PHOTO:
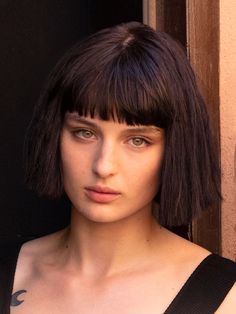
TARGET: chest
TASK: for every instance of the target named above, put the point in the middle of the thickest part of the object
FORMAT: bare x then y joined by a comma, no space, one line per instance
139,295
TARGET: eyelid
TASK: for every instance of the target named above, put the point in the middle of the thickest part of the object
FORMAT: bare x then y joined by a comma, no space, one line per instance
81,125
141,137
145,138
77,128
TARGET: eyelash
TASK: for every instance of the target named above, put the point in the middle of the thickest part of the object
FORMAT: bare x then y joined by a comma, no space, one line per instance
145,142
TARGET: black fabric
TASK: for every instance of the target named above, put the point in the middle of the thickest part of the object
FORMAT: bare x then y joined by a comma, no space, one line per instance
206,288
8,260
202,293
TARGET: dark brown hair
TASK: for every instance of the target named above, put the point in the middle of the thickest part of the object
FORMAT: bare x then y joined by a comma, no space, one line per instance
139,76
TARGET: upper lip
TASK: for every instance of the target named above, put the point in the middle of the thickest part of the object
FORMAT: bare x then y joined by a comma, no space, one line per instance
101,189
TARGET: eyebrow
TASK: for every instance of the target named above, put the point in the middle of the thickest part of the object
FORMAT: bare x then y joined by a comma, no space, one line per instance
75,118
131,130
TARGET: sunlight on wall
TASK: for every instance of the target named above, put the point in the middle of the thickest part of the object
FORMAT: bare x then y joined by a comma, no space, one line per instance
228,124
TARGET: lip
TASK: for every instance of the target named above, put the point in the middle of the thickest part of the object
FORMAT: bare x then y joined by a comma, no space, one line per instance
101,189
101,194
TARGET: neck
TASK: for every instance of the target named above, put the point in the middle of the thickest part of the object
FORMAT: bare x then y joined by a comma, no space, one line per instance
99,249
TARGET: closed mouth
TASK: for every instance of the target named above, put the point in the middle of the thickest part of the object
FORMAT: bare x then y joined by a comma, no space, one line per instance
103,190
100,194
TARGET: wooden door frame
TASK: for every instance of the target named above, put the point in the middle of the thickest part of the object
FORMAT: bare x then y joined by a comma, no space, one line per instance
202,44
203,51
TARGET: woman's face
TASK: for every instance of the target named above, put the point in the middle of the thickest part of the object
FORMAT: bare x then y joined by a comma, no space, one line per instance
110,170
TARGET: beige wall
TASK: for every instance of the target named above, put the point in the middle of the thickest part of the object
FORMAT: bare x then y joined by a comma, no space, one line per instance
149,12
228,124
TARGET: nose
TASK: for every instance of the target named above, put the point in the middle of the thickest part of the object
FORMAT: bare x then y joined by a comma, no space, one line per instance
105,160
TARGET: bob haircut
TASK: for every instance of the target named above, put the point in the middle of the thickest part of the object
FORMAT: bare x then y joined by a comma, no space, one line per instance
135,75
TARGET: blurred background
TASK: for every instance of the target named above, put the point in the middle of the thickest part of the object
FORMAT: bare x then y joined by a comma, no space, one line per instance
34,35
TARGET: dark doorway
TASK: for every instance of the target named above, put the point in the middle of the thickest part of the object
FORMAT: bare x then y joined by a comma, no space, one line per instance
34,35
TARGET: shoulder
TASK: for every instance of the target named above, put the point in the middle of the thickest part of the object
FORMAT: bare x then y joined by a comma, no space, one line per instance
182,252
212,278
42,246
32,254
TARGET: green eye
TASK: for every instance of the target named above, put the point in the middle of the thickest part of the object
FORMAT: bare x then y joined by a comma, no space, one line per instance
139,142
87,133
84,133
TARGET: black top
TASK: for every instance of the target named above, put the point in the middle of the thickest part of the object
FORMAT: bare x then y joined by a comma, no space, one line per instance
202,293
8,260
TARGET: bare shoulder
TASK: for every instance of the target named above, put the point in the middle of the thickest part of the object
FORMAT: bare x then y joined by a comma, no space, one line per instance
176,256
31,253
192,255
43,242
229,304
184,251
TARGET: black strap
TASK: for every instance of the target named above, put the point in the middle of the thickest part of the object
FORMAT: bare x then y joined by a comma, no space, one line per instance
206,288
8,260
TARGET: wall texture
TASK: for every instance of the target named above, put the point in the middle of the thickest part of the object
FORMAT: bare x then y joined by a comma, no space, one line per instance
228,124
149,12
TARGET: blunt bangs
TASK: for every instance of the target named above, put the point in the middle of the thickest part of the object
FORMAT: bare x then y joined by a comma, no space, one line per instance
129,88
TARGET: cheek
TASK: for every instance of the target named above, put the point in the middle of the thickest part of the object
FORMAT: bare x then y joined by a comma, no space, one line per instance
151,178
73,175
146,178
73,163
73,166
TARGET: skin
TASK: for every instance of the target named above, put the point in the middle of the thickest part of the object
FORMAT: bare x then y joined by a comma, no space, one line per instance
114,257
126,159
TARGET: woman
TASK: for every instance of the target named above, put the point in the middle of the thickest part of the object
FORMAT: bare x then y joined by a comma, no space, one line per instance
122,130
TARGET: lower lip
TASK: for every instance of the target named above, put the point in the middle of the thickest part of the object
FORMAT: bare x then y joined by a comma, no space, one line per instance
101,197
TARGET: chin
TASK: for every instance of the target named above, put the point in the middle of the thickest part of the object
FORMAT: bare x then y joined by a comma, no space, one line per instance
99,214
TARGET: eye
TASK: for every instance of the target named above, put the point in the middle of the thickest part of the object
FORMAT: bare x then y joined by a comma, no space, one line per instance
139,142
84,133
